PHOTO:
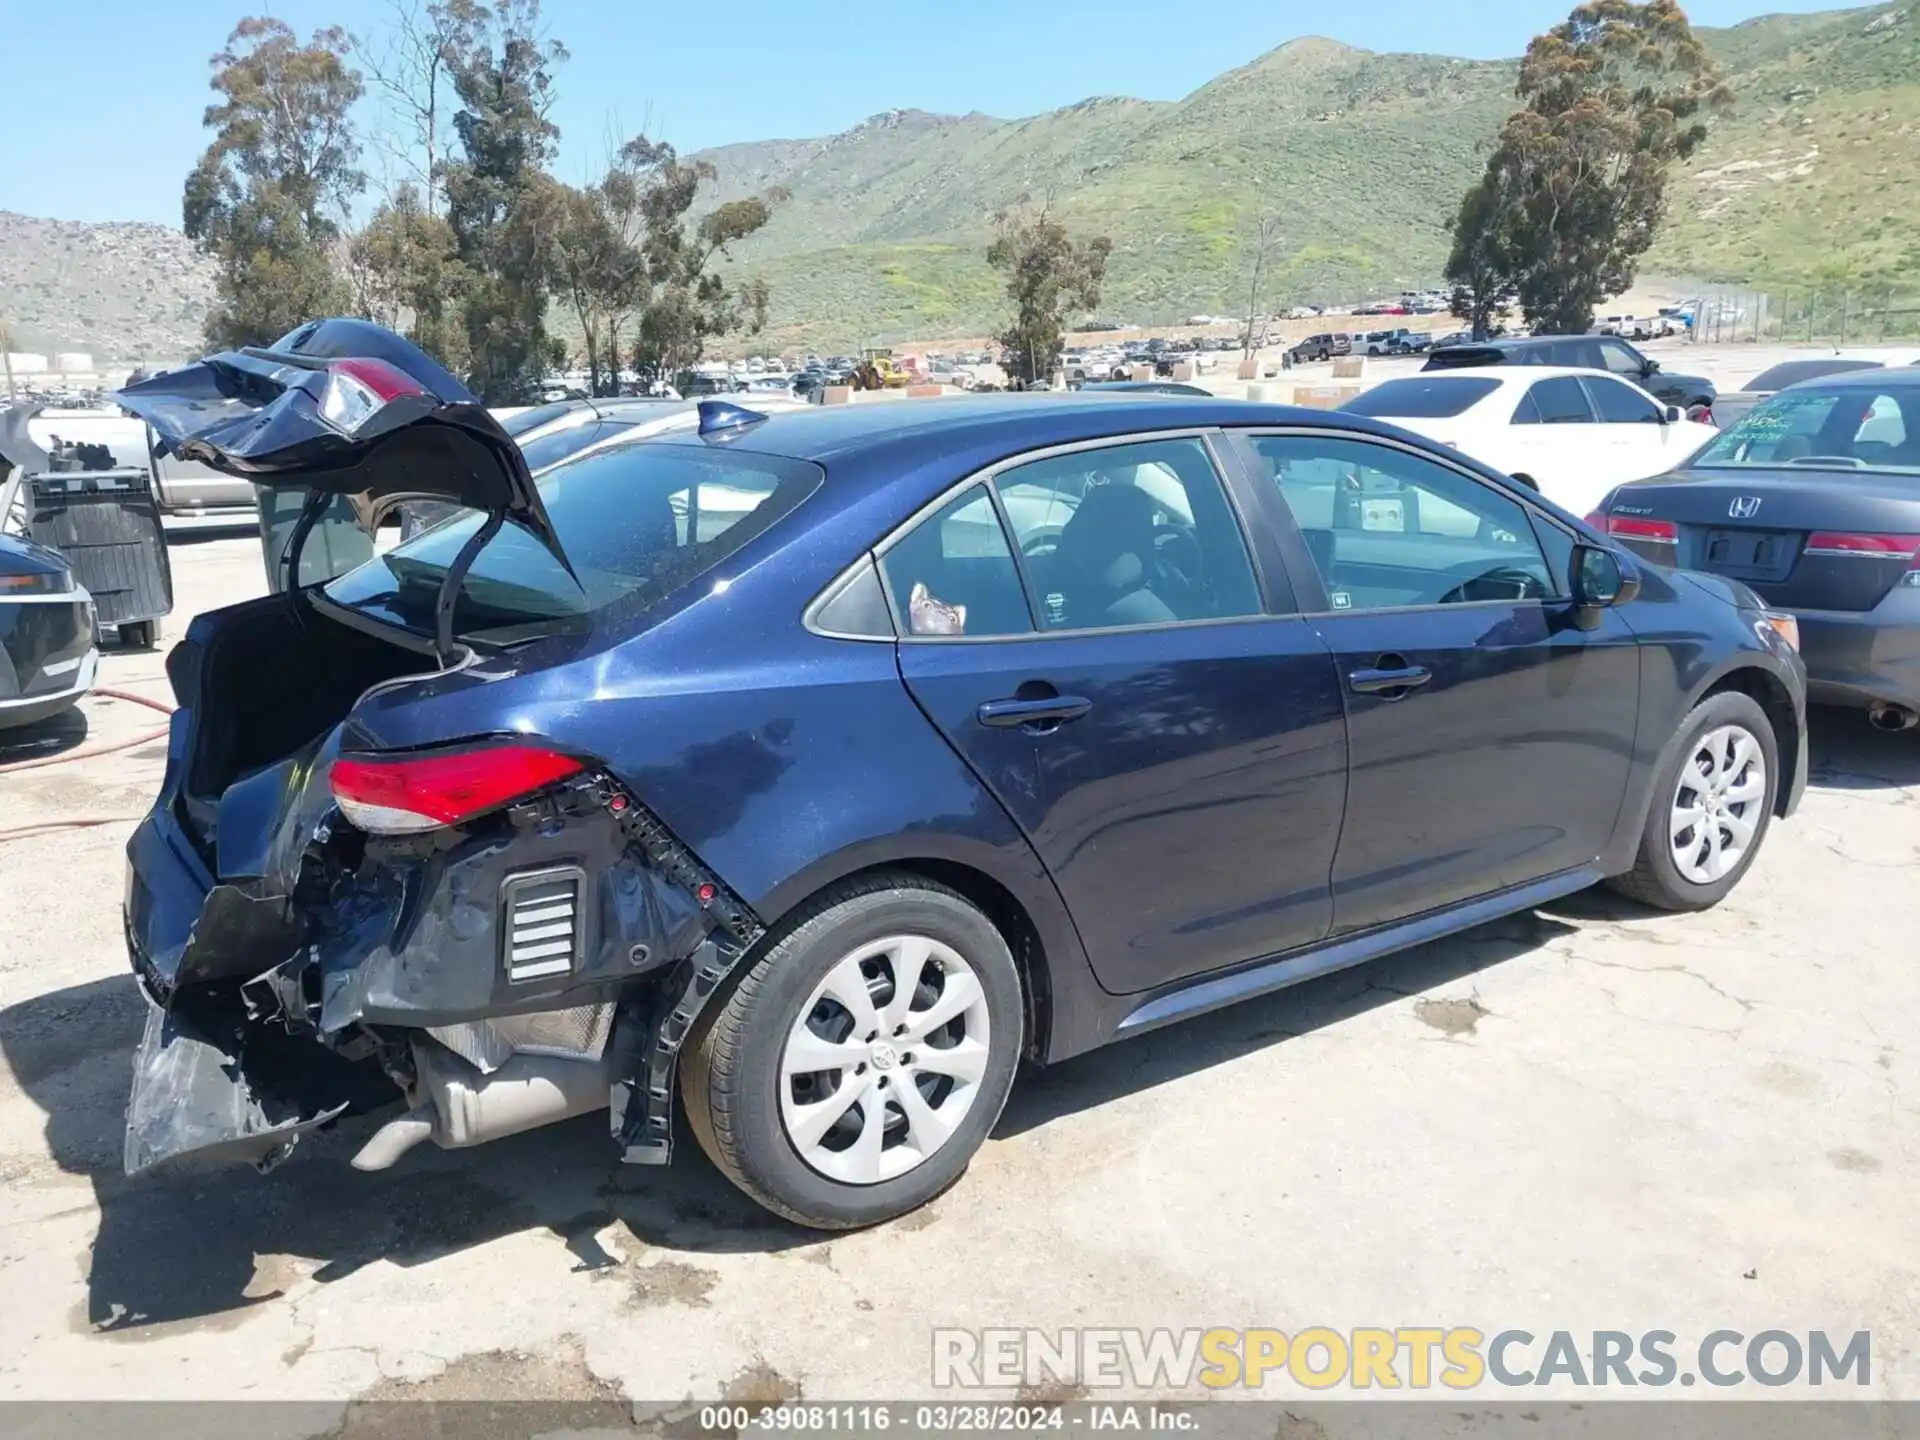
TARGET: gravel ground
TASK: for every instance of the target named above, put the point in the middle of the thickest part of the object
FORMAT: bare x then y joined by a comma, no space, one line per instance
1586,1117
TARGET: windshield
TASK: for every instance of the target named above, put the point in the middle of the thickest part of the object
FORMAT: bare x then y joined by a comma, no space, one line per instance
1421,398
1825,427
637,522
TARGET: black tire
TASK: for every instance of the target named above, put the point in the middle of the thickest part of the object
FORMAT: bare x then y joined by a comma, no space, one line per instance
1528,481
1655,879
139,635
729,1072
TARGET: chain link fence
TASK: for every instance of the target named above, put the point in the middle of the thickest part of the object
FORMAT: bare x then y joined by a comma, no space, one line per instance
1864,316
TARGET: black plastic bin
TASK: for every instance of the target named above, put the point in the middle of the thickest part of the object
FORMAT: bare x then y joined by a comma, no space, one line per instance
107,524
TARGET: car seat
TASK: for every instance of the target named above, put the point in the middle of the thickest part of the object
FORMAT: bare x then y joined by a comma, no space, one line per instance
1105,567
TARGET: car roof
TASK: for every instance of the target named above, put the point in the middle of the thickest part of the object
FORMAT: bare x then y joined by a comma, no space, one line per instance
965,426
1863,379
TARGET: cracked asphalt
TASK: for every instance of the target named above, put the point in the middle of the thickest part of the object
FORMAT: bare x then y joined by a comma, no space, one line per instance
1586,1117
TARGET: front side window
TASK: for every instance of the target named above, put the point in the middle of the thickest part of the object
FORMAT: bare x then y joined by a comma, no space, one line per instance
953,574
1619,404
1137,534
1620,359
1388,528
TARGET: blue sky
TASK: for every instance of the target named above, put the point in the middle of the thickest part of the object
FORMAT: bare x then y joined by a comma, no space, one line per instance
103,98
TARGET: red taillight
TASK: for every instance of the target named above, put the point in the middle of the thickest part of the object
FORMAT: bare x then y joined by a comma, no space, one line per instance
1873,547
387,382
358,389
402,794
1633,527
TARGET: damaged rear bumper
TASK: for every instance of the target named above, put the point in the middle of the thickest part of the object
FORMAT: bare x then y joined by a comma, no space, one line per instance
350,972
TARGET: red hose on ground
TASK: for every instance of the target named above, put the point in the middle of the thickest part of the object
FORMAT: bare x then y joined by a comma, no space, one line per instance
87,752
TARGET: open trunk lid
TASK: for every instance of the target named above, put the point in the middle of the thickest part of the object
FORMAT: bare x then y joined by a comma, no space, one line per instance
1801,539
344,407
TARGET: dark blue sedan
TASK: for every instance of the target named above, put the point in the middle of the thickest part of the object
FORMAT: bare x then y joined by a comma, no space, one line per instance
811,771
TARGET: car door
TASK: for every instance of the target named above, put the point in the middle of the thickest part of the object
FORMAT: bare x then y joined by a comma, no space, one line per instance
1558,442
1641,443
1086,629
1489,736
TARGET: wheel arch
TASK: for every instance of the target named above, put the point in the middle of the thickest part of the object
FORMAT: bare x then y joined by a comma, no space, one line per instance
1062,997
1774,699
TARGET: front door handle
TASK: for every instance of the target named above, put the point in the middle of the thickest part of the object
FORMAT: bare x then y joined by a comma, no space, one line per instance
1053,710
1391,682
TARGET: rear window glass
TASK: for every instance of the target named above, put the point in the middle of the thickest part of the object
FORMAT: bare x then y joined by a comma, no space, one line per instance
557,445
637,522
1821,427
1420,399
528,421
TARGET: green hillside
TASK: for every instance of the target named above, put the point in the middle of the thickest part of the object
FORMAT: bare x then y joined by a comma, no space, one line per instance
1364,156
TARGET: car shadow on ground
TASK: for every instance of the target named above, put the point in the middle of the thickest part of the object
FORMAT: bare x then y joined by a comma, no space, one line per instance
1847,753
185,1244
44,739
1132,1066
189,1245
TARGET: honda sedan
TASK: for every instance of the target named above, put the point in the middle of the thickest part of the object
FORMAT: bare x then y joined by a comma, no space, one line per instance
811,771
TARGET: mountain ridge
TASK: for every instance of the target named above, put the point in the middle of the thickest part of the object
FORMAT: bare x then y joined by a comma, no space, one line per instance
1362,154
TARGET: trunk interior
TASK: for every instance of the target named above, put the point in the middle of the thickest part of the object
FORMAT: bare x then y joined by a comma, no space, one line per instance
275,676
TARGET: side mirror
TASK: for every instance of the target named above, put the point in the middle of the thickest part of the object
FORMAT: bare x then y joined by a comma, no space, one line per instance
1598,581
1653,367
1672,415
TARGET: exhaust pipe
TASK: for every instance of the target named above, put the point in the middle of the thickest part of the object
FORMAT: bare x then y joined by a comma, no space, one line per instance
458,1106
1884,715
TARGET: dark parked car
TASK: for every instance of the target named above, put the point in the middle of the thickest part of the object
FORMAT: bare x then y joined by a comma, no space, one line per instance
811,771
1813,501
47,653
1731,406
1692,393
1321,347
1140,387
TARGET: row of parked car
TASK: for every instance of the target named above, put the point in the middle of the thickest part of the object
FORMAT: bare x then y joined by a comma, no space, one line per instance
1804,485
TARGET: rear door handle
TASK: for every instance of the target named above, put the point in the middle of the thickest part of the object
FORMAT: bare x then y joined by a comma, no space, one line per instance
1054,710
1379,682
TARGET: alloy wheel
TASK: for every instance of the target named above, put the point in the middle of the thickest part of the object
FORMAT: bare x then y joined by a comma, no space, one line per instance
1717,803
885,1059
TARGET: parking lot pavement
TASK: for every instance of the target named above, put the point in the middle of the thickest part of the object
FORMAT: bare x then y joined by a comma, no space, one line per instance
1588,1117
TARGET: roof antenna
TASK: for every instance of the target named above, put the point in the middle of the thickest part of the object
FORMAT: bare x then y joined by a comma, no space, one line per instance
719,416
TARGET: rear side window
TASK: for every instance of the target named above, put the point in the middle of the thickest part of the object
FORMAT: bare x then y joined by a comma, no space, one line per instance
1129,534
1420,398
953,574
1559,401
637,523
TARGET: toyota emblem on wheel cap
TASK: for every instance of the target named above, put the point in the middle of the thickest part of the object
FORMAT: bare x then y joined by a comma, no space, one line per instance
1744,507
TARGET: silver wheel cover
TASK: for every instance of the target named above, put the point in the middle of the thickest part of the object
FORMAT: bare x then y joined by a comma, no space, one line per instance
884,1060
1717,804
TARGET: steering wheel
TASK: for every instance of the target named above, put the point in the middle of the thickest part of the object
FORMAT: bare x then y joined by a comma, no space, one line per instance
1177,549
1502,582
1042,542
